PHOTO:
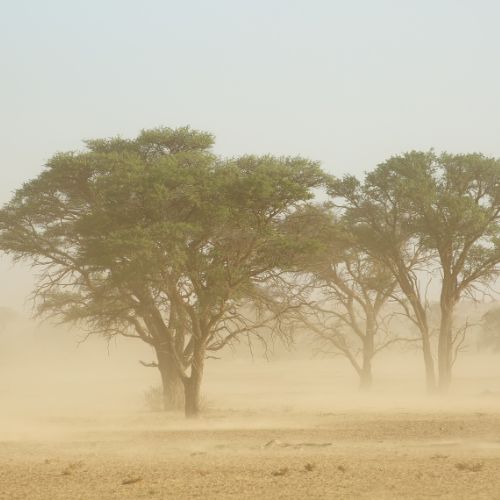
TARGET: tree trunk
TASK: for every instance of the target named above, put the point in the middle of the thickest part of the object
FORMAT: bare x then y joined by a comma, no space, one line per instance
192,385
173,390
430,373
420,312
366,377
192,395
445,347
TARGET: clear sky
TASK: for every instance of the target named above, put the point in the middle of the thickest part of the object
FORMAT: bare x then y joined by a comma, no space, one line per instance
348,83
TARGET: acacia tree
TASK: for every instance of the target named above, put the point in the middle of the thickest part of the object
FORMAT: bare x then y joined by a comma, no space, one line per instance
379,219
445,209
60,222
233,249
455,202
352,319
489,337
157,238
347,309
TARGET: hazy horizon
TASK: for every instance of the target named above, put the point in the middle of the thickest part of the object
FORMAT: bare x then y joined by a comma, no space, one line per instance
303,346
347,84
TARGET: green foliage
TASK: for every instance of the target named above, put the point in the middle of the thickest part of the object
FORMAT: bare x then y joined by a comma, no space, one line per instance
156,237
489,337
451,204
426,212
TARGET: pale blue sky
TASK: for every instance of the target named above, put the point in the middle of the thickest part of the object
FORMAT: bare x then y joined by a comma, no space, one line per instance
344,82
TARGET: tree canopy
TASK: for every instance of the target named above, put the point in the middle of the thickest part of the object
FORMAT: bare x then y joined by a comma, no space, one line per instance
159,239
422,211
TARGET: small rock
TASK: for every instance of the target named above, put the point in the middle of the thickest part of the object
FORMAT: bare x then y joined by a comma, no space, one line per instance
280,472
131,480
470,467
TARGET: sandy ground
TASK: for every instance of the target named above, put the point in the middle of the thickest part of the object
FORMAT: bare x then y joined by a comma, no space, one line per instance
239,455
73,425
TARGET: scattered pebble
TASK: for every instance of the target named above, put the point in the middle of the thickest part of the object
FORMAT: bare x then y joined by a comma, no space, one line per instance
280,472
131,480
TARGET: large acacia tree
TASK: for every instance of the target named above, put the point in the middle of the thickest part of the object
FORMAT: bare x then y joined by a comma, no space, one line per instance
76,223
159,239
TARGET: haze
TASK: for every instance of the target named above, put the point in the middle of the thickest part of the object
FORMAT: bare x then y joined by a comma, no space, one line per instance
347,84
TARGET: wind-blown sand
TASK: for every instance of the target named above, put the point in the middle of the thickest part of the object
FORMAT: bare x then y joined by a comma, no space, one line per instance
249,455
291,428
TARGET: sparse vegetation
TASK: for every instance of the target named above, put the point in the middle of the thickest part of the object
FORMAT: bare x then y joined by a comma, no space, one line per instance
131,480
283,471
469,466
490,330
153,398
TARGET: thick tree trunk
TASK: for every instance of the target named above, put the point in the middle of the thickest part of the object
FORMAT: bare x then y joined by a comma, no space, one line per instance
192,396
445,344
192,385
173,389
445,348
366,378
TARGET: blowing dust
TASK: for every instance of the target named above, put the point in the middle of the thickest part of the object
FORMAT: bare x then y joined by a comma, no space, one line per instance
75,421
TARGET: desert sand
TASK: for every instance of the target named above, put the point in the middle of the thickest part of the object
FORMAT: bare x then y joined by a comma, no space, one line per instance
76,426
337,455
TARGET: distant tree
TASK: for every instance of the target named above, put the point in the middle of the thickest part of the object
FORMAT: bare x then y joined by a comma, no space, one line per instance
448,208
347,308
7,315
158,239
489,337
383,228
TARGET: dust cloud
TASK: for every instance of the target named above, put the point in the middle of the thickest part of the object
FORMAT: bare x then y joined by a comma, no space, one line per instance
49,370
75,414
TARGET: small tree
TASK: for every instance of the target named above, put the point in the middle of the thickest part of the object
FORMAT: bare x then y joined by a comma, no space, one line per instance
377,215
349,291
353,319
489,337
